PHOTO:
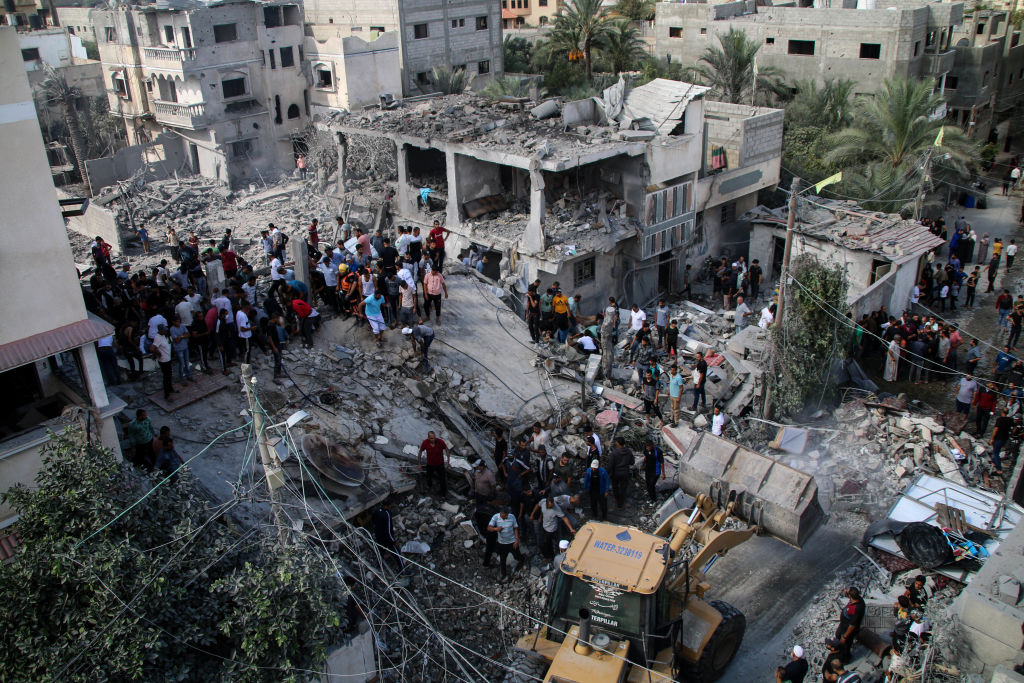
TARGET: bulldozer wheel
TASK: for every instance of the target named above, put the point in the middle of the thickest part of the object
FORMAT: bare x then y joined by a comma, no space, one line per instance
721,648
524,667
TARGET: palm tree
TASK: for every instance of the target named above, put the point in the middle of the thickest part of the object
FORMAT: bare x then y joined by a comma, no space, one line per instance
448,81
829,107
732,73
880,187
583,22
898,126
636,10
623,46
58,92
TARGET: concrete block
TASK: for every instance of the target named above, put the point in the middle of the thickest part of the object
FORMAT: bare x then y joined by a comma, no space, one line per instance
1004,674
1008,590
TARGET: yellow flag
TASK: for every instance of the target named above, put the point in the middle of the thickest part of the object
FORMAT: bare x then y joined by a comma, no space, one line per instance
938,138
828,181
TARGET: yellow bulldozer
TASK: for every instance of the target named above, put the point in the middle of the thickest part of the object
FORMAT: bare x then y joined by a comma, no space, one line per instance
627,605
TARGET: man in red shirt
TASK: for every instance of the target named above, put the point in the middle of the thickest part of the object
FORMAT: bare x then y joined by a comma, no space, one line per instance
229,260
437,453
439,234
314,234
985,400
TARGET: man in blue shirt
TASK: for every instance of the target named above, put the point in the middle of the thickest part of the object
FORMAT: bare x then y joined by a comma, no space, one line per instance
598,484
675,392
505,525
1004,361
370,308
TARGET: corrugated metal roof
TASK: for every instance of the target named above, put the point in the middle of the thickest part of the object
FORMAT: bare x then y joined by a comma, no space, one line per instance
663,101
45,344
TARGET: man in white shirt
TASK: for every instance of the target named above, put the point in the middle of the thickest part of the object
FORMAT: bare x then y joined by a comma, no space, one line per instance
161,348
244,328
154,325
194,301
742,311
717,422
184,309
767,317
636,319
276,278
221,301
1011,251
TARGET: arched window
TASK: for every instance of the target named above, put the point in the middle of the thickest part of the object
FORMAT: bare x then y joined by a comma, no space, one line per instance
293,111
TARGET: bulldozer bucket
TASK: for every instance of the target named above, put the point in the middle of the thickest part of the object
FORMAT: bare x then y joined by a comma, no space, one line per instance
780,500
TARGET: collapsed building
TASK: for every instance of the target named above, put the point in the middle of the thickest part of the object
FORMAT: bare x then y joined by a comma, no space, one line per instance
882,253
608,196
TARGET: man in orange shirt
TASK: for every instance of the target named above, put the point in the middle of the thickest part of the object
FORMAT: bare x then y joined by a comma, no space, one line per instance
560,308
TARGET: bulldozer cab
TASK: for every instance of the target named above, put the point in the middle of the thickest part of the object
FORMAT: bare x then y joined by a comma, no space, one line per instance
614,572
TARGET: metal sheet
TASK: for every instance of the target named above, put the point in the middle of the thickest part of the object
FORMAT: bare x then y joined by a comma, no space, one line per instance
46,344
916,504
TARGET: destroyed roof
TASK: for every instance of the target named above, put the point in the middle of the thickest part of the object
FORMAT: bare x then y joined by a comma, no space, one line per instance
848,225
506,127
662,101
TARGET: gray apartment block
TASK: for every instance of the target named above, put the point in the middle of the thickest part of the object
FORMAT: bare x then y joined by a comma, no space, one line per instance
433,33
815,43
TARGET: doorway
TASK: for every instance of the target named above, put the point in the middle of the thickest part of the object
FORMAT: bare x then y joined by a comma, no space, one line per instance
778,255
193,151
666,273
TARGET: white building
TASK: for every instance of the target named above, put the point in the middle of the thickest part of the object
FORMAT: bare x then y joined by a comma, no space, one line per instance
47,359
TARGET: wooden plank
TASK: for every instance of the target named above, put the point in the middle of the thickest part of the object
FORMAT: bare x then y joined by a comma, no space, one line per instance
190,392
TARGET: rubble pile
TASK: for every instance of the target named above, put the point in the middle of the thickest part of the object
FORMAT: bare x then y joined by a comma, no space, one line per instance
487,123
898,444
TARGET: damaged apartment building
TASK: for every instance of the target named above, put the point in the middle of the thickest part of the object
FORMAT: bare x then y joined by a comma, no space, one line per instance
225,80
609,196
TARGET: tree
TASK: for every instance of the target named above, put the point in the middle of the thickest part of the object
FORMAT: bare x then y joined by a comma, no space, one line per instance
59,93
730,71
898,126
829,107
448,81
623,47
636,10
517,52
507,86
813,336
880,187
582,23
164,591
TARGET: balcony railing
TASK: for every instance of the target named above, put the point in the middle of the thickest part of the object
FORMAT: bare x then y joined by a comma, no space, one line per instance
169,54
177,114
941,62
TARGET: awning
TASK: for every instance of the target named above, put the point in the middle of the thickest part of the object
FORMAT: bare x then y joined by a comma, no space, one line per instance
506,14
46,344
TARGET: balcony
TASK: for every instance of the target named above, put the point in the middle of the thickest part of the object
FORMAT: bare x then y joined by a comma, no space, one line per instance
169,58
191,116
940,62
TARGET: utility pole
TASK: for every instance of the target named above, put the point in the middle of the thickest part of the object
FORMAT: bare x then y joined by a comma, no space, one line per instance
790,224
270,467
919,199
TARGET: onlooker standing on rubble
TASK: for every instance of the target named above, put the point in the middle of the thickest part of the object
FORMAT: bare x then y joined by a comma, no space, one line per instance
654,467
504,524
661,321
560,311
620,462
179,335
484,486
439,235
717,421
850,619
437,455
300,163
671,338
1000,435
675,392
985,400
161,350
552,517
742,311
651,392
598,485
433,286
700,376
370,308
